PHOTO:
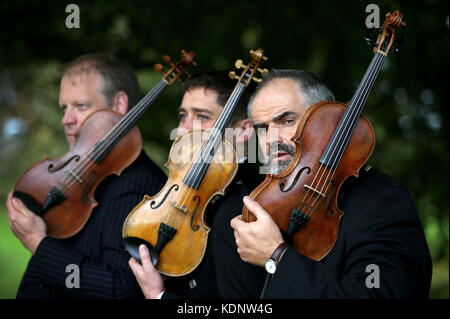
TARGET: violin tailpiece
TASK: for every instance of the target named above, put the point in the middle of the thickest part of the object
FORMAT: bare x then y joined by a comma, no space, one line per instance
298,220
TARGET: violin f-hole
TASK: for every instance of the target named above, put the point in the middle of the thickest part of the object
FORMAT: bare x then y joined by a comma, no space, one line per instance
282,185
53,168
153,203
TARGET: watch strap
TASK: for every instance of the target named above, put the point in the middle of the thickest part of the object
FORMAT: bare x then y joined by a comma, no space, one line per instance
278,252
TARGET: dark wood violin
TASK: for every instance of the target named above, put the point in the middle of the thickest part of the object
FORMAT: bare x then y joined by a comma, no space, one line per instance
171,223
333,141
61,191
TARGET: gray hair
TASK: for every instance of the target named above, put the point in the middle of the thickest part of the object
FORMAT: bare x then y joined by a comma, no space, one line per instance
313,88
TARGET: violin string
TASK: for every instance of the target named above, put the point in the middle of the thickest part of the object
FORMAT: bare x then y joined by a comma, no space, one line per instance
212,139
353,117
356,115
366,85
86,163
113,133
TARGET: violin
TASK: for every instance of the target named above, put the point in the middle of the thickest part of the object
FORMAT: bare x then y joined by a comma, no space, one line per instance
333,141
61,190
171,223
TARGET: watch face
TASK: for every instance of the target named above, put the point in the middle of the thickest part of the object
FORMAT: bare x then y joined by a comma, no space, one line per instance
270,266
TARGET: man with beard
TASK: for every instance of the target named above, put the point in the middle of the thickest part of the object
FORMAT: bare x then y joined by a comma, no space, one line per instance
380,252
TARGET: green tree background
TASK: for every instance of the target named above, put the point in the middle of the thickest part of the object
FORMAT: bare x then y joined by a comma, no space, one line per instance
408,106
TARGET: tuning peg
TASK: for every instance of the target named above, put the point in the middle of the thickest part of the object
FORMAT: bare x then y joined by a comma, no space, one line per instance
257,80
371,42
239,64
166,58
262,71
233,75
159,67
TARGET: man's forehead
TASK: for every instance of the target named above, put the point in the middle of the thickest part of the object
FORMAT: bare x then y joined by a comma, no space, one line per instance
278,97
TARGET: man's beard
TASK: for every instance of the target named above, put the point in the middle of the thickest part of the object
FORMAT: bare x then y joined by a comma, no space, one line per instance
277,167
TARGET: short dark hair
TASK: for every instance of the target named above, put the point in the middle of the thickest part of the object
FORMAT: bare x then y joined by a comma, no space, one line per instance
116,76
220,82
312,87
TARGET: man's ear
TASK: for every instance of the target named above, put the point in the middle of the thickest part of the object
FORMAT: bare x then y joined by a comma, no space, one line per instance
246,130
120,103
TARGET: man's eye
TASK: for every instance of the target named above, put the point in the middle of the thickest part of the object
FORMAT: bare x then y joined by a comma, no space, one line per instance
203,117
288,121
82,106
182,116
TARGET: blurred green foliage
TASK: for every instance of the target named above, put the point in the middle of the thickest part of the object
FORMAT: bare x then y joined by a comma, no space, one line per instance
408,106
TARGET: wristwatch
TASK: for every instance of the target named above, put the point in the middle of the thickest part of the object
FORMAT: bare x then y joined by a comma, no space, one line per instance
272,263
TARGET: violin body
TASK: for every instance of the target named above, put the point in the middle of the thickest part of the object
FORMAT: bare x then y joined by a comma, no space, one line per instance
62,190
180,209
299,188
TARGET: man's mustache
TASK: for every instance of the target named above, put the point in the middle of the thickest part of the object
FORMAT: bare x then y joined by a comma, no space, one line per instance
280,147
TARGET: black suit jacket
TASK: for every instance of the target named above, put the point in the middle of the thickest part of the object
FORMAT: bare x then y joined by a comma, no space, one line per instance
380,235
380,227
222,273
97,249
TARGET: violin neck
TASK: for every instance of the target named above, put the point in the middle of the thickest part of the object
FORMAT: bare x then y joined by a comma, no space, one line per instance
341,136
103,147
204,157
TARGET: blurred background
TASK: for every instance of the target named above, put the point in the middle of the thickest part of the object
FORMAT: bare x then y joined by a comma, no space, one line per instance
408,106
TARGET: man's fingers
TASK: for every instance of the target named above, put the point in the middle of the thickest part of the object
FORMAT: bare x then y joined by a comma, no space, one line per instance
17,204
236,222
145,258
136,268
255,208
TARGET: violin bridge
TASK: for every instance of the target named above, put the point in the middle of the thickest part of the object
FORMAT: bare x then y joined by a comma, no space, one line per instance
183,209
315,190
78,178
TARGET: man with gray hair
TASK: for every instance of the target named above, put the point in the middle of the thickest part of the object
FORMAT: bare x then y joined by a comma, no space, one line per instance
380,251
275,126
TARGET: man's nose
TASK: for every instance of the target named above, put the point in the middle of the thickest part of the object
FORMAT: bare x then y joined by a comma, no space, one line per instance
69,117
273,136
187,124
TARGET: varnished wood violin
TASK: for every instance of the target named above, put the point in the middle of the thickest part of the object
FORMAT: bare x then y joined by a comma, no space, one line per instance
171,223
333,141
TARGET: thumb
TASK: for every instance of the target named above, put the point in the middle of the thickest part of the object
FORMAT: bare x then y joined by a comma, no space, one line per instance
255,208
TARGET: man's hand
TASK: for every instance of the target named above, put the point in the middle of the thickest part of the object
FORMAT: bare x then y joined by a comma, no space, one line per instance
27,226
257,240
149,279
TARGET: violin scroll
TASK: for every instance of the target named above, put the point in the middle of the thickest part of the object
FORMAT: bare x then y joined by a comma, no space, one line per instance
387,35
250,69
176,69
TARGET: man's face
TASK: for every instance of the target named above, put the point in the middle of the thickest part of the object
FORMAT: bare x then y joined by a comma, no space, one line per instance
276,112
200,105
79,96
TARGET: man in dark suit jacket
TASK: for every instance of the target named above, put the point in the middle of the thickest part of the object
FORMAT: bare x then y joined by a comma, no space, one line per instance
92,263
380,252
203,100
